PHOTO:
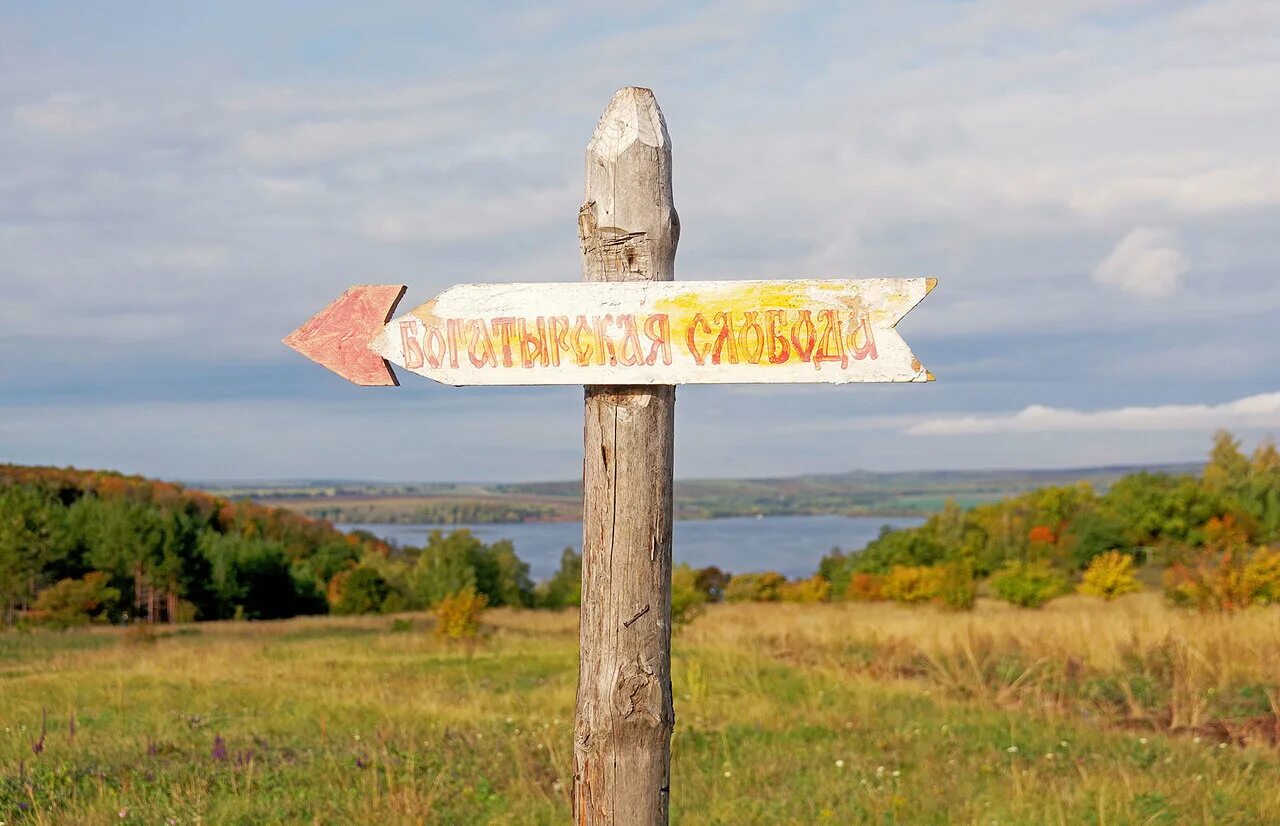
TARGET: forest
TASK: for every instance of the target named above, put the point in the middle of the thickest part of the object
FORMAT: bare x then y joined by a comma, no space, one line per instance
92,546
1209,540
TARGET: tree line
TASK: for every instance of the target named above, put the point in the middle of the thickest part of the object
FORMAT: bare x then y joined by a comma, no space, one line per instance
78,546
1210,537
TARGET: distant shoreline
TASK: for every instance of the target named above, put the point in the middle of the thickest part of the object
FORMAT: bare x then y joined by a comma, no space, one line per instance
677,519
855,494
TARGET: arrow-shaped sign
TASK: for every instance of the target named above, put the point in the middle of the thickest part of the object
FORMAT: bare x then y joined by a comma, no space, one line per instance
669,332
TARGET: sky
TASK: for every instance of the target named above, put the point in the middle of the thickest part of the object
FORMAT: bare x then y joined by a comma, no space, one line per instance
1095,185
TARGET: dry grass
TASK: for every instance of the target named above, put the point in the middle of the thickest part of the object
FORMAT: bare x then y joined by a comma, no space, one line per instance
785,714
1134,660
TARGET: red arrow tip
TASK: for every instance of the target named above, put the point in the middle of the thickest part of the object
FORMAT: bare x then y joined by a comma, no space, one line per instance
338,336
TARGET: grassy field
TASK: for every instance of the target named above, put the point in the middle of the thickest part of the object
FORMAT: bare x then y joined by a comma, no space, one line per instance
1080,713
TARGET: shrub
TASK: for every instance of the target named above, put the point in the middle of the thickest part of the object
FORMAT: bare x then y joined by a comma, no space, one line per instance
1029,584
765,587
564,589
1225,580
1262,576
451,562
458,615
912,583
74,602
396,602
712,582
957,589
1109,575
813,589
687,596
865,587
184,612
360,591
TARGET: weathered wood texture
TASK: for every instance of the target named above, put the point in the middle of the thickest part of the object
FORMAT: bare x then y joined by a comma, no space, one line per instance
624,717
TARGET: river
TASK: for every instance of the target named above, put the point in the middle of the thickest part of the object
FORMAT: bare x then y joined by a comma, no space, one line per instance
791,545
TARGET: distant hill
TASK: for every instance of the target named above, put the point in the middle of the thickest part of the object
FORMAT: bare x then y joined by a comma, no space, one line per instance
853,493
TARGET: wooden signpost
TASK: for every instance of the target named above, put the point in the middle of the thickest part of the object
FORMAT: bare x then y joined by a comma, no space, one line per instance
629,336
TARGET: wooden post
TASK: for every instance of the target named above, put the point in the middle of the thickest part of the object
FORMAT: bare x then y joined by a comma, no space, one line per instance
624,717
825,330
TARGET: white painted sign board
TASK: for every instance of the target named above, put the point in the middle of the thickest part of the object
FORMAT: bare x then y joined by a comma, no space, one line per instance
671,332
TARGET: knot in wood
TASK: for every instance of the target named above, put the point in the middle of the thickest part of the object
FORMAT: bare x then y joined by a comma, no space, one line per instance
637,694
614,254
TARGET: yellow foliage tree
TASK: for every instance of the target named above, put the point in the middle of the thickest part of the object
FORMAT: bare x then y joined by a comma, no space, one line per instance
813,589
912,583
458,615
1110,575
1261,576
865,587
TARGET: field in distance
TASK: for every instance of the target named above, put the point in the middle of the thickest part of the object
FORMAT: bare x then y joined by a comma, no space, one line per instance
855,493
1083,712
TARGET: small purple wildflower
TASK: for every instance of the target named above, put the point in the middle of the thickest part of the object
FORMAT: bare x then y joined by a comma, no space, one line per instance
219,748
361,763
243,758
23,805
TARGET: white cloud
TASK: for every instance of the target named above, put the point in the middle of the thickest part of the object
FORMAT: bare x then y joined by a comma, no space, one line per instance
66,114
1216,190
470,217
196,257
313,141
1146,262
1260,411
988,145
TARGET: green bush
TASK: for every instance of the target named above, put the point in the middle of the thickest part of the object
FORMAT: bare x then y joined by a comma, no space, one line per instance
687,598
1029,584
765,587
564,589
450,562
361,591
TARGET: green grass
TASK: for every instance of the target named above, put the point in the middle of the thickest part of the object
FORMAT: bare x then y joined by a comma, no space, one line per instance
346,721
